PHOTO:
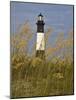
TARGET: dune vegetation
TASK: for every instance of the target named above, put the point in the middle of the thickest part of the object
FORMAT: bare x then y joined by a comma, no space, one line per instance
32,76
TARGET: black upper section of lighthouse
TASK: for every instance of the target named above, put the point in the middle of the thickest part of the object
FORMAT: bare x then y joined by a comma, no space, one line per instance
40,23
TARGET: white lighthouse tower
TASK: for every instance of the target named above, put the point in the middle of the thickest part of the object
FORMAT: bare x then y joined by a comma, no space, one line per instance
40,41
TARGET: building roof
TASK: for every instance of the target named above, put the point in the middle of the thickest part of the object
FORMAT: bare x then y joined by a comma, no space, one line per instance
40,15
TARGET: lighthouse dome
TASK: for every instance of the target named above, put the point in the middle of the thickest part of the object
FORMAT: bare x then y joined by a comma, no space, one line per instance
40,17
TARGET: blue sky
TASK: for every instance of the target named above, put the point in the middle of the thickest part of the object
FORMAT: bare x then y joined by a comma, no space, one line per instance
58,17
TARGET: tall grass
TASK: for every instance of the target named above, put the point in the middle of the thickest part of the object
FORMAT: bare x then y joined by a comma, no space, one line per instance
32,76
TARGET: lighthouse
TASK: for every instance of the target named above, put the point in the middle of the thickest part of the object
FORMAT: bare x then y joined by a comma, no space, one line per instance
40,39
